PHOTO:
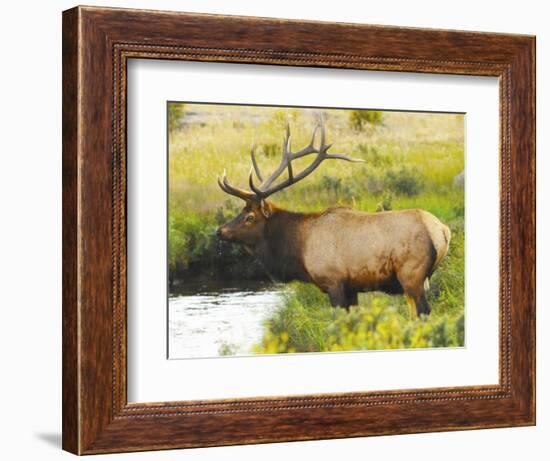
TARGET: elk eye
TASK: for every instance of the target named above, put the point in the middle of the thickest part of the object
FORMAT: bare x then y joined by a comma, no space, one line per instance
250,218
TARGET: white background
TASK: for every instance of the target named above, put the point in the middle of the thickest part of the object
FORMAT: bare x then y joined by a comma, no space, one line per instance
153,378
30,243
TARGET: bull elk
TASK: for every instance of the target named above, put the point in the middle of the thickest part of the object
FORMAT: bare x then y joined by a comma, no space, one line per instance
341,251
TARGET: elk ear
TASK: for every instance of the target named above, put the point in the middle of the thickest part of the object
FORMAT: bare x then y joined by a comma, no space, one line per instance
265,208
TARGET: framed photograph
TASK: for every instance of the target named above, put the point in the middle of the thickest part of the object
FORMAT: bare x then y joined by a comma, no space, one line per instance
285,230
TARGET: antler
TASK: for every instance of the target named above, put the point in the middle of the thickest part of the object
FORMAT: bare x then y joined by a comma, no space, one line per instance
236,191
266,187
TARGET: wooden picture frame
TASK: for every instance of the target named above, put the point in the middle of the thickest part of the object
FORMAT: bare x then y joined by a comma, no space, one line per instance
97,43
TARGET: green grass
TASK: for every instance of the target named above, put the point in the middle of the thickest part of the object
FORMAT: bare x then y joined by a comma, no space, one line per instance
410,162
200,151
307,323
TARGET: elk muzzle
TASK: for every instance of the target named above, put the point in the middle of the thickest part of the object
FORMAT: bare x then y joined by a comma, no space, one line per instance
223,233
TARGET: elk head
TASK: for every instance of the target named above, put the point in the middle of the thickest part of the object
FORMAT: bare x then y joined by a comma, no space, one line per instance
247,227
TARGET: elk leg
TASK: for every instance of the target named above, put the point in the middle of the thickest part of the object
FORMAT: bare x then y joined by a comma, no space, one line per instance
413,287
352,297
422,306
337,296
412,306
418,305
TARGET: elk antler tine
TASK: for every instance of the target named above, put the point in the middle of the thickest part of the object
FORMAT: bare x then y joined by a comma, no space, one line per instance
222,187
255,164
253,187
286,140
232,190
288,148
314,134
220,183
322,126
226,182
345,157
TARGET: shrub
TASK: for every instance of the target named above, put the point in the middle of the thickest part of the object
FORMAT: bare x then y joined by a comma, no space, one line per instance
194,249
227,349
281,117
331,183
385,204
375,327
447,282
404,181
374,157
375,183
189,237
177,242
359,118
271,150
306,323
176,111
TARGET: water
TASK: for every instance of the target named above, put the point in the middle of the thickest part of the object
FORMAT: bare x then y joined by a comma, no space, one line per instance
212,320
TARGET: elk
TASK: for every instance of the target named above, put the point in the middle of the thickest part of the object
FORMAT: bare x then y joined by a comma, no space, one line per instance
340,250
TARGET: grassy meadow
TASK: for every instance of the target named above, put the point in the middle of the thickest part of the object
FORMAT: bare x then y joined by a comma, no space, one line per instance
411,161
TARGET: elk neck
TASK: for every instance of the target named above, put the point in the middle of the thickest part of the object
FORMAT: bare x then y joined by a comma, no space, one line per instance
280,249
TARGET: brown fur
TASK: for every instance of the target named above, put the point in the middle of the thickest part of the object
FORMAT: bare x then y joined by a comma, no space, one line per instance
343,251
